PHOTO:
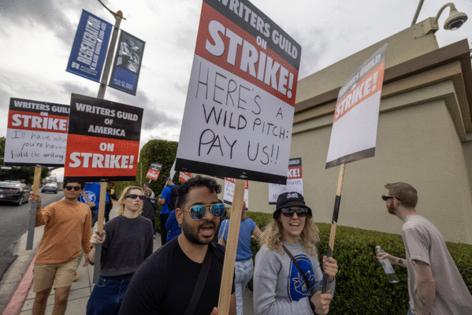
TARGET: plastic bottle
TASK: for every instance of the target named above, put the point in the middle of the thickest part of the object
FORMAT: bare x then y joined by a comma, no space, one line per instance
387,266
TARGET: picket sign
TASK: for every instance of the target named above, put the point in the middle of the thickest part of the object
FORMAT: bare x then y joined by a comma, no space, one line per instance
101,218
33,210
334,220
231,247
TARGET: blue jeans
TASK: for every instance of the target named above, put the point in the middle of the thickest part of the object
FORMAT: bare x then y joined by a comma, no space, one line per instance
107,295
243,272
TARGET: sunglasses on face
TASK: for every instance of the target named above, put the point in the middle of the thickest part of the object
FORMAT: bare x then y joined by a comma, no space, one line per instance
134,196
197,212
385,198
76,188
300,211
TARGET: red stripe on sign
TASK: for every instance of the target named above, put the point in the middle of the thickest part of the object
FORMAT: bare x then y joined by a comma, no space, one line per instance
367,86
37,121
89,156
295,172
228,46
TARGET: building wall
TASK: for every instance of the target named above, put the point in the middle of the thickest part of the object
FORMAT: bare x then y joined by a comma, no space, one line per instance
410,148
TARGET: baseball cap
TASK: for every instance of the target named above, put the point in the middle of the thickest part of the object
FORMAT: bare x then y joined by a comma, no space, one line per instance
289,199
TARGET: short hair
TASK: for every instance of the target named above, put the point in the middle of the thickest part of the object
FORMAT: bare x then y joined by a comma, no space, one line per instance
197,181
405,193
72,180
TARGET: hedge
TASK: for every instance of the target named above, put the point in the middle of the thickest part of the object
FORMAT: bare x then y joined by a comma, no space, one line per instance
361,285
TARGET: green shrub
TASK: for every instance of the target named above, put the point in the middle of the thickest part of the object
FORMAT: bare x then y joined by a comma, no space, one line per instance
361,285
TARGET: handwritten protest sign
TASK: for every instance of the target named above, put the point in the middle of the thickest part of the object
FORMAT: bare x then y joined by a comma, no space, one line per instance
228,193
240,101
154,171
356,115
294,181
103,140
37,133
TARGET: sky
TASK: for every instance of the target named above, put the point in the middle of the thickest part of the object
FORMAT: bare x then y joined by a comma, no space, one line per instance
36,38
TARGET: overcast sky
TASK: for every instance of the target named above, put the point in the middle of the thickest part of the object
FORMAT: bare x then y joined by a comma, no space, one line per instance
36,38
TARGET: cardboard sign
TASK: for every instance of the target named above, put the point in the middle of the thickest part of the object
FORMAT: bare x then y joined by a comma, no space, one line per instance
184,176
154,171
229,191
37,133
356,115
294,181
103,141
240,101
90,47
127,64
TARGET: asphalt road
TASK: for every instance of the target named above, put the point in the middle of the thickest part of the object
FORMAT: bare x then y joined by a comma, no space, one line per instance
13,223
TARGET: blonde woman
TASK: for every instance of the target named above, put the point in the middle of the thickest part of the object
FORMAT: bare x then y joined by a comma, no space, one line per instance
127,242
287,275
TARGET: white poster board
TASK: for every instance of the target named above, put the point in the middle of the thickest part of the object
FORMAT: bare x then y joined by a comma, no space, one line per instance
294,181
229,191
37,133
240,101
356,115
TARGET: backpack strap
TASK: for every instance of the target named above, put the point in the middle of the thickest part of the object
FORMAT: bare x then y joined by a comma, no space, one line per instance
198,289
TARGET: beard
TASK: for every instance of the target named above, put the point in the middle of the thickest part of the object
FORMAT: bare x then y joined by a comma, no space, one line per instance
191,232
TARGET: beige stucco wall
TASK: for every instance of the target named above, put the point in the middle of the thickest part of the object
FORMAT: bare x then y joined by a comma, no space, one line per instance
411,148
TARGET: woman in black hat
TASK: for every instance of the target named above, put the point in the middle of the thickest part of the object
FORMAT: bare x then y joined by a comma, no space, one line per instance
287,276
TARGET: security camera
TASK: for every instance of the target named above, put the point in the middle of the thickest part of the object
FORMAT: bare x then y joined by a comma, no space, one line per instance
455,20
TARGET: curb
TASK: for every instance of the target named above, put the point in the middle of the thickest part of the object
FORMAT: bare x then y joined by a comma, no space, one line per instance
19,296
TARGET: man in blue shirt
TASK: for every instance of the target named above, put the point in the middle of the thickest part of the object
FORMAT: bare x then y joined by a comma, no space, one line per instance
166,207
244,266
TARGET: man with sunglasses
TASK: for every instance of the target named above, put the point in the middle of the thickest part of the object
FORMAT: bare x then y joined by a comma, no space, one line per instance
434,282
183,276
67,231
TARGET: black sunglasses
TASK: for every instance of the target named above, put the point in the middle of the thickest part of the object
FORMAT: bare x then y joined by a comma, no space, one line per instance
385,198
197,212
300,211
76,188
134,196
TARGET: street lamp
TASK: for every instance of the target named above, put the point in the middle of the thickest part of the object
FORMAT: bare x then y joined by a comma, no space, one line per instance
453,22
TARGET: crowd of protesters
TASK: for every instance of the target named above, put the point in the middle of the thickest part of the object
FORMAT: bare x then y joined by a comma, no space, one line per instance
183,276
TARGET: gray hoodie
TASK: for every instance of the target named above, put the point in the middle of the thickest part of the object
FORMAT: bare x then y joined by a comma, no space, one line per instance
279,288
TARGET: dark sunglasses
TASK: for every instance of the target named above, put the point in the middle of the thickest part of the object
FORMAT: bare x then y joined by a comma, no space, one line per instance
76,188
134,196
385,198
300,211
197,212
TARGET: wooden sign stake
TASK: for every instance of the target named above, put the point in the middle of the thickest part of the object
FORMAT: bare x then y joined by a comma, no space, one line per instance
334,221
231,247
101,218
34,206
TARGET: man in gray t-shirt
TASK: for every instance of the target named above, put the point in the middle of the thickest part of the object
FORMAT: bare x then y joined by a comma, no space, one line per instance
435,285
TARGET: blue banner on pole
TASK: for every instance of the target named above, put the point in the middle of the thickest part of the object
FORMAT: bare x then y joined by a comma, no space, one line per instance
127,64
90,47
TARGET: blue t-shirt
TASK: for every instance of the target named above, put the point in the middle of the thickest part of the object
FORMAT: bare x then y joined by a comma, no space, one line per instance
172,226
166,194
246,229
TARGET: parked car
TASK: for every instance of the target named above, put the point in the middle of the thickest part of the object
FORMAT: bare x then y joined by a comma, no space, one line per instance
49,188
14,191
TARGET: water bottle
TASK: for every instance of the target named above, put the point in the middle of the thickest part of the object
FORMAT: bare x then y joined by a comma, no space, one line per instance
387,266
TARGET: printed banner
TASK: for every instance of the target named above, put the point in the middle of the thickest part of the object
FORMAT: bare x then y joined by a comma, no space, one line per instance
154,171
127,64
240,102
103,140
36,134
90,47
229,191
294,181
184,176
356,116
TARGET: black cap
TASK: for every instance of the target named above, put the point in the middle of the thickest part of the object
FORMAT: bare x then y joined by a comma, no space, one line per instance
289,199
